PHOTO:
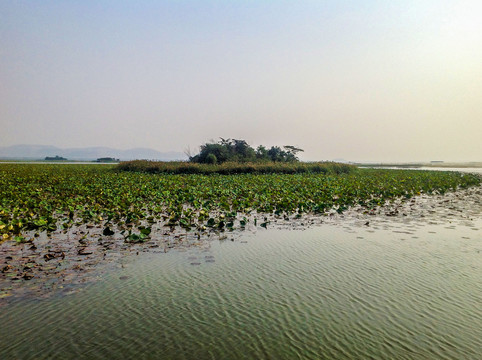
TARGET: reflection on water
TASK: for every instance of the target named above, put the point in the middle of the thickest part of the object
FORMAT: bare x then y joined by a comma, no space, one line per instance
403,288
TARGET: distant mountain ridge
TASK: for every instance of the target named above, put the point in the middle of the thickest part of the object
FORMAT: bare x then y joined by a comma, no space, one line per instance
39,152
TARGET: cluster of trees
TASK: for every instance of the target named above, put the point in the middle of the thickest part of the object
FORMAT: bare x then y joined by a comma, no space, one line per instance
233,150
54,158
107,159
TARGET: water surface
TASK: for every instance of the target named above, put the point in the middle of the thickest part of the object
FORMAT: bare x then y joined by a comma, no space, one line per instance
403,288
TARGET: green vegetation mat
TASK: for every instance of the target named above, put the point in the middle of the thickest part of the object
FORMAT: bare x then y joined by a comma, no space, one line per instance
231,168
41,197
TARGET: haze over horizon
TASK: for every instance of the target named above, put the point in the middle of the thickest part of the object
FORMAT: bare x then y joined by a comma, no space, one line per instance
364,81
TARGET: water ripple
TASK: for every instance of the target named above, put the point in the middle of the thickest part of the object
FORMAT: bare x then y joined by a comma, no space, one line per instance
321,293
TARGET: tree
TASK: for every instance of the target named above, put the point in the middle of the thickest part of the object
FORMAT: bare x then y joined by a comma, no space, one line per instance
211,159
262,153
291,152
220,151
242,151
275,153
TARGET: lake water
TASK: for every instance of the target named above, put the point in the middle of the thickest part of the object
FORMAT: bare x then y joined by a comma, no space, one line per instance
353,286
468,169
473,170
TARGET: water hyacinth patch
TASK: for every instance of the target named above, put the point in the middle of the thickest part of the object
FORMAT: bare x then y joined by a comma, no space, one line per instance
38,198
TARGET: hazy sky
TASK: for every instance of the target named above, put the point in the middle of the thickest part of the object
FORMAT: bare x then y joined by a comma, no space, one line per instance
359,80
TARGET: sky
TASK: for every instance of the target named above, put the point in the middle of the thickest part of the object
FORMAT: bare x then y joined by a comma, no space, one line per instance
356,80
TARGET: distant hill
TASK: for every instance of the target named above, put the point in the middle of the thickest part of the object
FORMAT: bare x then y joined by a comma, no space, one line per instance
39,152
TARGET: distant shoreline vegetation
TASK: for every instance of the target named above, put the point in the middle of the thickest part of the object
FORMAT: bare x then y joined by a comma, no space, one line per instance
55,158
107,159
232,168
234,150
232,156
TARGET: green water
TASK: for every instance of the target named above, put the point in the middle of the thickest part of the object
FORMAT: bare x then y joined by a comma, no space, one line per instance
334,291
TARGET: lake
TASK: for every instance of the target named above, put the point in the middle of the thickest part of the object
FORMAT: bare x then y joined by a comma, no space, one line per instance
473,170
347,286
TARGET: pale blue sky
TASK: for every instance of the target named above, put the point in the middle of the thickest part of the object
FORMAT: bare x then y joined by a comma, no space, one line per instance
360,80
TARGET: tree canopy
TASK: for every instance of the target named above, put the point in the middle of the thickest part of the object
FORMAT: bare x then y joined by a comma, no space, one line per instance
234,150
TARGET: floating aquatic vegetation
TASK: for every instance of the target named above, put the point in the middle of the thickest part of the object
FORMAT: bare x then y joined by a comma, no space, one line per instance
38,198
